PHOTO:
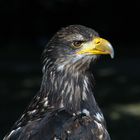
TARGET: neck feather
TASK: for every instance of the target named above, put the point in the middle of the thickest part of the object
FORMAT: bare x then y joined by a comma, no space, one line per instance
71,90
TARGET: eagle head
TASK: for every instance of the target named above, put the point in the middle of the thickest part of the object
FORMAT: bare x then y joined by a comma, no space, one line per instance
75,47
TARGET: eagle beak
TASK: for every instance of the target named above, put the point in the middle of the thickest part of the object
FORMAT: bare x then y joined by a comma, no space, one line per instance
97,46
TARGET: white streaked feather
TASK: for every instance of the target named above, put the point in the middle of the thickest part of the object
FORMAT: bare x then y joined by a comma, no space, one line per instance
99,116
85,111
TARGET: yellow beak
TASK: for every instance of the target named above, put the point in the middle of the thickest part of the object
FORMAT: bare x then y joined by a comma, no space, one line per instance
97,46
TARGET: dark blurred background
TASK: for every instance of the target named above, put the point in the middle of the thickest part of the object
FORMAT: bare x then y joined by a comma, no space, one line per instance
25,28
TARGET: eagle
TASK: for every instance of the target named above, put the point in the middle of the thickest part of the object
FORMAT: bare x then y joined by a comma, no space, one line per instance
65,107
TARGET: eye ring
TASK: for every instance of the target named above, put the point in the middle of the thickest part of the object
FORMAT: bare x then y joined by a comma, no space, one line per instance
77,44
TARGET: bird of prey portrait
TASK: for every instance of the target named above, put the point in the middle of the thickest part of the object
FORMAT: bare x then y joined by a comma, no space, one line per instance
65,107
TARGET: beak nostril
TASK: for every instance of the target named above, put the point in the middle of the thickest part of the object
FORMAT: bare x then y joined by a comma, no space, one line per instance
98,42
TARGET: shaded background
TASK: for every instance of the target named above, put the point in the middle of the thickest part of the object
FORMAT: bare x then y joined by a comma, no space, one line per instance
25,28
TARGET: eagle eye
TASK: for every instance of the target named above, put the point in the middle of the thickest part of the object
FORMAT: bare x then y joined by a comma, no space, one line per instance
77,44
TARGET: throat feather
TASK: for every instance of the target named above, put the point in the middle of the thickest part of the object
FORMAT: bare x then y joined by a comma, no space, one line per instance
71,91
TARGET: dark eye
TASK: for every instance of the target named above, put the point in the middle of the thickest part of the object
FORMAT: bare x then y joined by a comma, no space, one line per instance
77,44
